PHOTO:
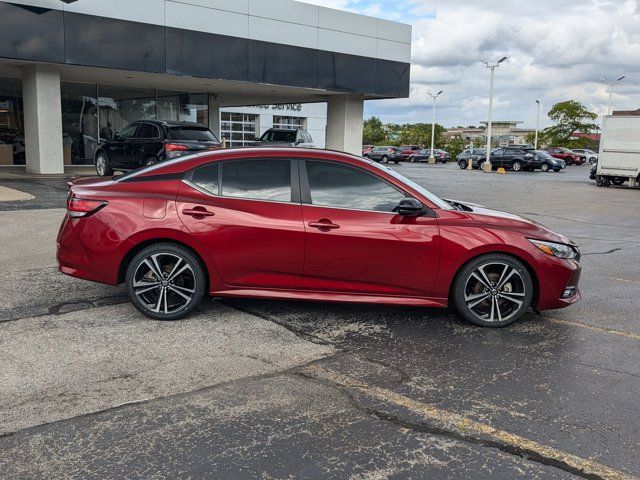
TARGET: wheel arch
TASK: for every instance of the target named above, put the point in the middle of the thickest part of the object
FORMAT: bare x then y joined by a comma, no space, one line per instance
516,256
133,251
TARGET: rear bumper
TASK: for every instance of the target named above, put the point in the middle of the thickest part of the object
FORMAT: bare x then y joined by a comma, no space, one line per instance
88,249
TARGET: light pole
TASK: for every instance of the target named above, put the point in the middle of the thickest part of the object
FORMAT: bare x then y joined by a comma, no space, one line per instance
487,163
432,159
537,124
611,84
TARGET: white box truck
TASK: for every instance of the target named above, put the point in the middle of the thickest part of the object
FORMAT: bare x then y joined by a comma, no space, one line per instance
619,160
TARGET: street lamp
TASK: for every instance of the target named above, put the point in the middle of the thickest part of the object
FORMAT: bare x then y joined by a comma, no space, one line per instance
537,124
432,159
487,163
611,84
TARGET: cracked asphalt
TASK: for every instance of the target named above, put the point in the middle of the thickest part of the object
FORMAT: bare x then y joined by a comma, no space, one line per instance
275,390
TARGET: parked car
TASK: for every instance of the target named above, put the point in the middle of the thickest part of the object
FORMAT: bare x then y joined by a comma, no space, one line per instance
475,155
366,149
385,155
330,226
147,142
539,159
513,158
590,155
569,157
423,156
408,150
278,137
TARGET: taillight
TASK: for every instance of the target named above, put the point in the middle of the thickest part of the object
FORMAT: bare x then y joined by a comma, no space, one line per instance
175,150
175,147
82,207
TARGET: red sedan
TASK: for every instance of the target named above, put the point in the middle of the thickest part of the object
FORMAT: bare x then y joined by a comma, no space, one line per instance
569,156
307,224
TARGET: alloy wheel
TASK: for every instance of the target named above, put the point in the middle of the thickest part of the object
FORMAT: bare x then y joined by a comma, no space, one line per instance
165,283
495,292
517,166
545,167
101,165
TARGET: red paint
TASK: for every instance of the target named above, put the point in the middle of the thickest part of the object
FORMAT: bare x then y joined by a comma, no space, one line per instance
289,250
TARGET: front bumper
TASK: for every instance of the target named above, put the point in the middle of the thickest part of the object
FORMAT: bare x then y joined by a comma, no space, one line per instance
555,276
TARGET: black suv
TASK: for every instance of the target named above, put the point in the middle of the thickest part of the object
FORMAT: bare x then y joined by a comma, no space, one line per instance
147,142
278,137
514,158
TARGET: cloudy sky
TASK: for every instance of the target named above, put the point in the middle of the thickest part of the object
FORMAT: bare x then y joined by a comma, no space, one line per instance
558,50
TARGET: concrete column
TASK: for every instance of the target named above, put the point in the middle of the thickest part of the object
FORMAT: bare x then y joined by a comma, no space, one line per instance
344,123
42,119
214,115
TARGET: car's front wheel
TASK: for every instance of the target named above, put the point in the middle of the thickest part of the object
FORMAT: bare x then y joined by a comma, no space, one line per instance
463,164
517,166
493,290
165,281
385,159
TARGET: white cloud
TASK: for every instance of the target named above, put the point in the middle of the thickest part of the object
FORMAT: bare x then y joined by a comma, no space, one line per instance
558,50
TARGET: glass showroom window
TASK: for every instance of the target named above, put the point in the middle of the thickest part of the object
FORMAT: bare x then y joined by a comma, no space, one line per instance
79,122
183,107
238,128
12,150
288,122
120,106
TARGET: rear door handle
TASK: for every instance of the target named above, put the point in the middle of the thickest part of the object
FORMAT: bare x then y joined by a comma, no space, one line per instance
197,212
324,225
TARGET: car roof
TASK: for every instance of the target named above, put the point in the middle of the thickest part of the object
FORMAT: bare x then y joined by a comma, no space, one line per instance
171,123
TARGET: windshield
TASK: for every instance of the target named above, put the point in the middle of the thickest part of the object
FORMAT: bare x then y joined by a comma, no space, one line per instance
198,134
278,136
421,190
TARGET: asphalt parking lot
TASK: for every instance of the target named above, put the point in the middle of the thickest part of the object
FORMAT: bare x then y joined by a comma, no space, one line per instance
271,389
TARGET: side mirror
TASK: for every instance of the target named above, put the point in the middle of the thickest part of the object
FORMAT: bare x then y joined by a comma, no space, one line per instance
409,207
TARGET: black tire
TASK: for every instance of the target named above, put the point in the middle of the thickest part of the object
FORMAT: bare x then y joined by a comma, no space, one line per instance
385,159
412,159
103,165
516,166
544,167
192,283
463,164
366,155
397,162
618,180
518,287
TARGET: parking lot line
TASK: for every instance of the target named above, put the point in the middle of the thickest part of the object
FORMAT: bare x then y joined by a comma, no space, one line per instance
466,429
593,328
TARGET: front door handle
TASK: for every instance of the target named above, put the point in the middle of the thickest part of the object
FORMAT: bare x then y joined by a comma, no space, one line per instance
324,224
198,212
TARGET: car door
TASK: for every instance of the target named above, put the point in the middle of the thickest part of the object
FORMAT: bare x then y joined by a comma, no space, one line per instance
355,241
497,157
246,214
145,146
119,147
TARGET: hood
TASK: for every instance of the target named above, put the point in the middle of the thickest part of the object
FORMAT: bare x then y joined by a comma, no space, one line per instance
497,218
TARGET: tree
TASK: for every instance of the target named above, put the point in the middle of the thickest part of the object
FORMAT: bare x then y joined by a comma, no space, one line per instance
570,116
374,132
456,146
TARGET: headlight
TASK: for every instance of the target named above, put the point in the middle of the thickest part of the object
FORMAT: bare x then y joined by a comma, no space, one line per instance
559,250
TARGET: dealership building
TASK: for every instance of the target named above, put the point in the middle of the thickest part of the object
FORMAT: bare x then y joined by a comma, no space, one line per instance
73,72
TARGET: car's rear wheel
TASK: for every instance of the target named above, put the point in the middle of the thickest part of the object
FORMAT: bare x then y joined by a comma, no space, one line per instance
517,166
463,164
385,159
165,281
412,159
103,165
544,167
493,290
